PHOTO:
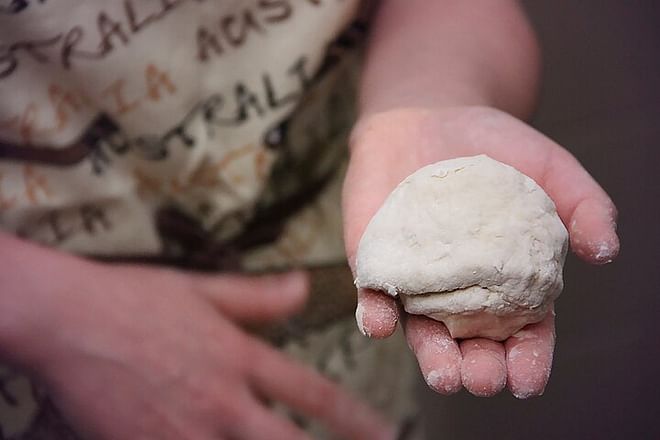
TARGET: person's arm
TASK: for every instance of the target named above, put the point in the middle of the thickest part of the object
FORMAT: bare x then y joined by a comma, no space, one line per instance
139,352
448,53
445,79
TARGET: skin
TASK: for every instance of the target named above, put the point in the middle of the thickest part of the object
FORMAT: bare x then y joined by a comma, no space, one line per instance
111,342
465,97
442,80
441,135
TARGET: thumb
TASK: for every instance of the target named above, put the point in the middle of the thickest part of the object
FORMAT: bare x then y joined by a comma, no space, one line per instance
255,298
377,314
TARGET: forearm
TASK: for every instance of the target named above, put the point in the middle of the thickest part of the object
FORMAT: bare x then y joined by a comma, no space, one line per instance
450,53
32,281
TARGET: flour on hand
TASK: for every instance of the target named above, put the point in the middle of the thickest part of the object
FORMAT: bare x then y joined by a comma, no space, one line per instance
470,242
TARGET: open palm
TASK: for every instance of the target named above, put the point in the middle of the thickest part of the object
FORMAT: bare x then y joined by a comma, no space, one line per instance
389,146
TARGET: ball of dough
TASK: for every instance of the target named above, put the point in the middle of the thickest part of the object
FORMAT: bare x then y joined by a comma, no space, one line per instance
470,242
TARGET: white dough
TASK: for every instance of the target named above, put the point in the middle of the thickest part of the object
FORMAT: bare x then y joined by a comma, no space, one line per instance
470,242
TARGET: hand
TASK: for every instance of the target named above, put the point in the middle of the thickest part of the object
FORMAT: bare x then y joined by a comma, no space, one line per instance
389,146
143,353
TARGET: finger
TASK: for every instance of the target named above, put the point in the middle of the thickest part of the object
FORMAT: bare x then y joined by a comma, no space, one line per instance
259,422
304,390
593,231
588,212
255,299
584,207
437,353
529,358
483,370
377,314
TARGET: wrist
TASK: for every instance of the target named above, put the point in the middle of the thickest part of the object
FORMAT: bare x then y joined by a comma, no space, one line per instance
451,54
424,93
33,281
418,123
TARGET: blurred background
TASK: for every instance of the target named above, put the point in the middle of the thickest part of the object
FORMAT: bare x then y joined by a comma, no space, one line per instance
600,99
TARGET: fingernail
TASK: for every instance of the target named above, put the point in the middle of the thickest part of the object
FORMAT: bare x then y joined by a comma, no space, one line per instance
532,386
445,381
606,251
359,318
527,394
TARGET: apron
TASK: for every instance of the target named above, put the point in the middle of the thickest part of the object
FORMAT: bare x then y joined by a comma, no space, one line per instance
219,145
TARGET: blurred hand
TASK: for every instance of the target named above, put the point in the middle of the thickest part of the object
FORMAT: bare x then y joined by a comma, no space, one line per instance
389,146
143,353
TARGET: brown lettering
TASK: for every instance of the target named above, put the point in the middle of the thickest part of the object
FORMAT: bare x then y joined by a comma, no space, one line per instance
273,100
109,30
60,234
176,186
236,29
157,79
32,47
179,132
27,122
298,69
246,99
5,202
116,92
261,163
279,10
171,4
206,176
70,50
8,63
35,183
135,23
63,101
207,41
145,183
93,216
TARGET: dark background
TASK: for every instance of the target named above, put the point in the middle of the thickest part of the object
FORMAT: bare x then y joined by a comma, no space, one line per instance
600,99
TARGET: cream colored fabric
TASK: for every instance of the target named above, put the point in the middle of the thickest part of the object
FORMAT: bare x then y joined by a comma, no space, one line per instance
382,373
186,93
191,105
